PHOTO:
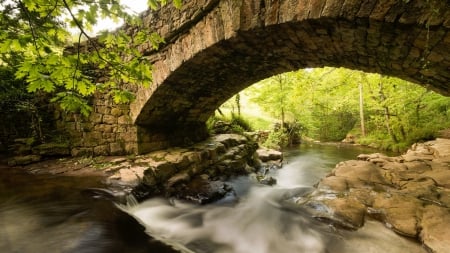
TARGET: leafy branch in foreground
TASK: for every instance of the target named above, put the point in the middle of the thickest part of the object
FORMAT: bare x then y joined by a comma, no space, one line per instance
36,44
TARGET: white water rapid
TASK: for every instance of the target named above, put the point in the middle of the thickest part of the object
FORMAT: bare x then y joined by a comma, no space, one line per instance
263,219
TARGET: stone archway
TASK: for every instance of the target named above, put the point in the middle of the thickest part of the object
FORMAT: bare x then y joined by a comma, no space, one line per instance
216,48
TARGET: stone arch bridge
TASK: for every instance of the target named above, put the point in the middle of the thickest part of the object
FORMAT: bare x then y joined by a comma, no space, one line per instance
215,48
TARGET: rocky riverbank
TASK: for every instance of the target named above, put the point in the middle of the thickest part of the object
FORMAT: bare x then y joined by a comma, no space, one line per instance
410,194
196,173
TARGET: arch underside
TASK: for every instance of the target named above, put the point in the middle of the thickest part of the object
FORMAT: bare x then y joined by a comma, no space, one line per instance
199,86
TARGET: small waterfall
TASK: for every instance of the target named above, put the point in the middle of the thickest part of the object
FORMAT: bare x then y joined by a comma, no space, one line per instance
264,219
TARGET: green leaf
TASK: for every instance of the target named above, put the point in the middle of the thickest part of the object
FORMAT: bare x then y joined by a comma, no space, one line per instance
72,102
15,45
122,96
153,4
5,46
53,59
178,3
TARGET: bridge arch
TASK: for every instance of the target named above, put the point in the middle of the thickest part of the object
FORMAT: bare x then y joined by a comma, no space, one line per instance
216,48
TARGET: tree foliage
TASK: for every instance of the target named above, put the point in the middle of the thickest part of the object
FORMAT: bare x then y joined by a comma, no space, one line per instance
37,46
325,102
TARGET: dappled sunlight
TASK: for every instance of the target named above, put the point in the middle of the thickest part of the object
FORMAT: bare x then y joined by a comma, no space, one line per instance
332,104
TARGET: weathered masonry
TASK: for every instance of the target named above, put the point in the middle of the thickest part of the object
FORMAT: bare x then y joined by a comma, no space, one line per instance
215,48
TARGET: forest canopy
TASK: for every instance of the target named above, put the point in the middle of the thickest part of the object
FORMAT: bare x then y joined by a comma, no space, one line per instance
325,105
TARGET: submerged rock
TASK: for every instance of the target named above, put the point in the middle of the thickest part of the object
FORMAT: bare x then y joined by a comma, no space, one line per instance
201,190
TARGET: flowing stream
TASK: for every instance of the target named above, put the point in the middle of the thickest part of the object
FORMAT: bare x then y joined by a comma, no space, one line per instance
64,214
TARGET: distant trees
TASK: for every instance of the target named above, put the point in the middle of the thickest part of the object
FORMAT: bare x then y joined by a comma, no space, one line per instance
327,103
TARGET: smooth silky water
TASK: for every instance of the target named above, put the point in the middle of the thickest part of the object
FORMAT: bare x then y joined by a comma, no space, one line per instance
57,214
65,214
264,218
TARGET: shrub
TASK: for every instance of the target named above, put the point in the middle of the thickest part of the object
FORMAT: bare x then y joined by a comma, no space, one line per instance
221,124
276,140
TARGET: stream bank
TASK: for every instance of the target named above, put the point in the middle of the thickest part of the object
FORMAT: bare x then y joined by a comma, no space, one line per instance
409,193
196,173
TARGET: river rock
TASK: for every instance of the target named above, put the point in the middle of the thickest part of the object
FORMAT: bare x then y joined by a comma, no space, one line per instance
201,190
401,213
266,154
435,233
409,193
52,149
172,172
348,211
24,160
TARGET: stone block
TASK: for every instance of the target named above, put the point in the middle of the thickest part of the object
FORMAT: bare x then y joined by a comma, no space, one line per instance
104,128
101,150
127,137
124,120
96,117
86,127
93,139
82,151
116,112
109,119
109,137
122,129
116,149
131,148
105,110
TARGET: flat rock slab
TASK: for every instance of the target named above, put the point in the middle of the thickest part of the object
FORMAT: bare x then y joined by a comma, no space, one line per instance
409,193
269,154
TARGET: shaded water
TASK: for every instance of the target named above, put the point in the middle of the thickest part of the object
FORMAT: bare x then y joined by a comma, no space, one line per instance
57,214
52,214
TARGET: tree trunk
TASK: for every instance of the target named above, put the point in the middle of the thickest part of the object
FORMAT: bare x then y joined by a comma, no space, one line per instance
280,81
361,110
386,114
388,125
238,103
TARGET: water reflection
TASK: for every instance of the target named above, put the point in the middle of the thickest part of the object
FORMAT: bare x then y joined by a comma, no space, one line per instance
56,214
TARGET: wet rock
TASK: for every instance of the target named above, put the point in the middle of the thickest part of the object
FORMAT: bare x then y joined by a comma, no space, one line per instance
182,177
128,177
267,180
401,213
269,154
360,174
347,211
435,234
202,191
119,160
230,140
409,193
24,160
172,172
349,138
52,149
338,184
